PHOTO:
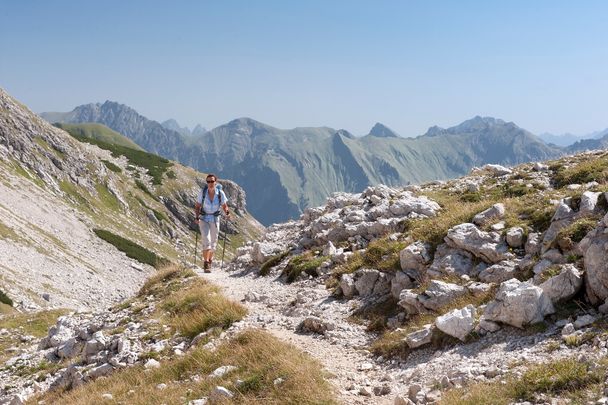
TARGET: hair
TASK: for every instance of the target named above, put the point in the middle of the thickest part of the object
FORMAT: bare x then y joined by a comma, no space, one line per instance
211,175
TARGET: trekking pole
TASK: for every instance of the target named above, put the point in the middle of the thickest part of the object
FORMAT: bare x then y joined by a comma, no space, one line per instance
195,247
223,251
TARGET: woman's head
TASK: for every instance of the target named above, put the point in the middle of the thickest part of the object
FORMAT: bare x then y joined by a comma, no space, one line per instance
211,180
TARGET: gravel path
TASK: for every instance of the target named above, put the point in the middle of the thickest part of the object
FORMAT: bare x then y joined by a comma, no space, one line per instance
279,308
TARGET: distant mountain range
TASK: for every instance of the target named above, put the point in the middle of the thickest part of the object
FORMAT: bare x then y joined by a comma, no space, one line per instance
285,171
174,126
570,139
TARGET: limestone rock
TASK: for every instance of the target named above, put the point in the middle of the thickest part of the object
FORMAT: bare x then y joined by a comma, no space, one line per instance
439,294
499,272
565,285
488,246
415,257
420,337
515,236
495,212
458,323
518,304
594,247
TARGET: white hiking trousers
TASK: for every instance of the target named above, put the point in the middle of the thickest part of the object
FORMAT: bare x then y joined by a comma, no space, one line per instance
209,233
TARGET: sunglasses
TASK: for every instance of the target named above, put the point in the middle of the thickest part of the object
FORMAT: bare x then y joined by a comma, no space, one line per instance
210,181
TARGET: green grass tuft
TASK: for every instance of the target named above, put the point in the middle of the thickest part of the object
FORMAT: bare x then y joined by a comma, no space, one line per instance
270,263
305,263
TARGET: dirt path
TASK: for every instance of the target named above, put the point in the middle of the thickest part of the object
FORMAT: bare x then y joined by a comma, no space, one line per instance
279,308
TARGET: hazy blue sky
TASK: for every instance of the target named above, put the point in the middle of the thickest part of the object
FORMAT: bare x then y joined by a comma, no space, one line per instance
344,64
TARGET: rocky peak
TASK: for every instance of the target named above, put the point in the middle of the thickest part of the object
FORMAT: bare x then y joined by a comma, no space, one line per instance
381,131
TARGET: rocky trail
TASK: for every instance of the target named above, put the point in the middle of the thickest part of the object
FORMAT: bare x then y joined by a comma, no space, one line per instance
358,375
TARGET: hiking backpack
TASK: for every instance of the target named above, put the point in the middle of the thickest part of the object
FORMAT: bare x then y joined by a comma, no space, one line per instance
218,190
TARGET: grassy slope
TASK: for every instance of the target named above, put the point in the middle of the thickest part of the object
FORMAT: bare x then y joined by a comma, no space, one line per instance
99,132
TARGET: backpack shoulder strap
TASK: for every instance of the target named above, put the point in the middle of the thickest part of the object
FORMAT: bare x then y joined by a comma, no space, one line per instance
218,188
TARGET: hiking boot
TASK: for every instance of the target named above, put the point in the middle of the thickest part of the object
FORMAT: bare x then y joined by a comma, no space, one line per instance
207,267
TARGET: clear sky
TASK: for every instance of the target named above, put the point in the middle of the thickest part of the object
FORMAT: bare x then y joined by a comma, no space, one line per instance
344,64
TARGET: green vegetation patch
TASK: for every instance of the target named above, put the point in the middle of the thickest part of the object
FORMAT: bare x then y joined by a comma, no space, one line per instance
140,184
306,263
162,282
111,166
578,229
569,378
273,261
132,249
5,298
155,164
98,132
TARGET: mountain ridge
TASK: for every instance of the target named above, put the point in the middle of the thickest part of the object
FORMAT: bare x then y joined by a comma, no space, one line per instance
303,166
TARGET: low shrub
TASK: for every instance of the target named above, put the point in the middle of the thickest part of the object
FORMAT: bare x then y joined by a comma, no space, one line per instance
111,166
305,263
5,299
132,249
270,263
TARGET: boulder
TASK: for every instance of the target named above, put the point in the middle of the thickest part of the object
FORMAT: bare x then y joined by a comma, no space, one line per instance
450,261
564,216
415,257
515,237
594,247
533,243
588,202
400,282
420,337
457,323
347,285
497,170
518,304
313,324
263,251
565,285
365,281
487,246
408,300
499,272
495,212
439,294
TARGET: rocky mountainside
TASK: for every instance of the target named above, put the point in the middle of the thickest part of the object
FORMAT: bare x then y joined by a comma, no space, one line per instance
58,195
286,171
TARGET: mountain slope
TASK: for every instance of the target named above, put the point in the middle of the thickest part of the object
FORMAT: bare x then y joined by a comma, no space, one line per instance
58,194
286,171
99,132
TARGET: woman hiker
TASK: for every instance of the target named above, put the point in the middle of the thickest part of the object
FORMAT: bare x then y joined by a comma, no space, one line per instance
211,198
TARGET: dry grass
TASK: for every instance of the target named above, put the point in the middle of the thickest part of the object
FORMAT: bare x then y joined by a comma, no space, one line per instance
259,357
583,171
198,307
159,282
566,378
